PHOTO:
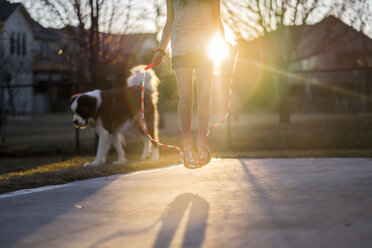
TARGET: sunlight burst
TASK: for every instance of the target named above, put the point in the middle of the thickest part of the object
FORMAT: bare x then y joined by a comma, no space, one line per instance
217,50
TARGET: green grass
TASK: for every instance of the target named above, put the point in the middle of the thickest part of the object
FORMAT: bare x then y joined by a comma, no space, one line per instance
36,171
40,171
42,152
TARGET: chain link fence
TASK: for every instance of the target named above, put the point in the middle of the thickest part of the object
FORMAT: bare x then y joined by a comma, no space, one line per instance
35,119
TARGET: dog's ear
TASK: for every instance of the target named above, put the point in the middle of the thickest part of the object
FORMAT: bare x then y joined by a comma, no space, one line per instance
72,99
87,106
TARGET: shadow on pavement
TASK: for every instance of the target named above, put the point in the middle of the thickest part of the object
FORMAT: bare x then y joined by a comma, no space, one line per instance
273,220
33,212
170,221
196,223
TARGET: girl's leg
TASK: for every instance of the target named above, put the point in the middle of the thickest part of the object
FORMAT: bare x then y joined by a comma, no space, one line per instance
204,86
185,103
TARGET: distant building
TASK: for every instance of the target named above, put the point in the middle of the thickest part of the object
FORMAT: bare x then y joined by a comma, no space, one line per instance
331,44
125,51
40,68
324,56
16,39
60,62
55,63
336,67
136,43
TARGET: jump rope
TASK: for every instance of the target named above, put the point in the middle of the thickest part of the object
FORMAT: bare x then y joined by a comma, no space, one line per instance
209,130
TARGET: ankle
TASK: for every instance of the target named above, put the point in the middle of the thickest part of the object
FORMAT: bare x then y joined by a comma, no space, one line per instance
201,142
188,146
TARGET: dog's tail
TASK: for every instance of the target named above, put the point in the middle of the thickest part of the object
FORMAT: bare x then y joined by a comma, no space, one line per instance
138,74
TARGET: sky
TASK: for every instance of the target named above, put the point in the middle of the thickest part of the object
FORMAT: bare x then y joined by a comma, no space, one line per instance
141,16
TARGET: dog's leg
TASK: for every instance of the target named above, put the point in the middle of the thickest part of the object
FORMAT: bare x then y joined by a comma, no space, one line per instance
148,145
146,141
104,144
146,148
153,130
117,142
155,152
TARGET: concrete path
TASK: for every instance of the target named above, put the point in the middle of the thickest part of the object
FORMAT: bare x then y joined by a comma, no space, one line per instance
229,203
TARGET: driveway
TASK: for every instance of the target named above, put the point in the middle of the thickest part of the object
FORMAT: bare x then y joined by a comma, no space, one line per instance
228,203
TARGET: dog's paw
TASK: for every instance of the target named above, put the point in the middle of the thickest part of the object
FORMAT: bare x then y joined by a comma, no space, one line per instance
120,161
155,156
87,164
144,157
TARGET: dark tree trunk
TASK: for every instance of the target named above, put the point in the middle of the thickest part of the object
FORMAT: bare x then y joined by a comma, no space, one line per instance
94,43
283,105
284,54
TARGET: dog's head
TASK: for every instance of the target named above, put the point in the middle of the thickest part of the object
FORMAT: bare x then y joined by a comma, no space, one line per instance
84,108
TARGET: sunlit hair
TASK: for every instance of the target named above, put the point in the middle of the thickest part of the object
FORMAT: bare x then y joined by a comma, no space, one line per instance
183,3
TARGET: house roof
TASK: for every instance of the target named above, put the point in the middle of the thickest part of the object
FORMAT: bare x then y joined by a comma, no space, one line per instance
6,9
330,34
45,33
128,43
336,33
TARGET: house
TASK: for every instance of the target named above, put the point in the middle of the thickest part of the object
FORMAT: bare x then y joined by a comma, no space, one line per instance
59,62
40,68
135,43
56,59
326,60
34,62
338,75
16,57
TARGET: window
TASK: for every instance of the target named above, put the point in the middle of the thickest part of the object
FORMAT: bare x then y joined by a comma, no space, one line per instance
24,43
18,43
12,44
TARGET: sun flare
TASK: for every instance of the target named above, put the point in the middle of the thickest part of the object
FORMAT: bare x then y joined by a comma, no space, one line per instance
217,50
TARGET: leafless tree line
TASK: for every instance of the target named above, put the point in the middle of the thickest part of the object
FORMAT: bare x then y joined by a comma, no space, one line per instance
94,22
252,19
246,18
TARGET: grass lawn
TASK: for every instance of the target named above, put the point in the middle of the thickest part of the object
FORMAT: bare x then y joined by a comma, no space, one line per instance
43,153
36,171
29,172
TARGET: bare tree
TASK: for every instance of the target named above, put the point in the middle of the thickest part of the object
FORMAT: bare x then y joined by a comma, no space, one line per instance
90,23
253,19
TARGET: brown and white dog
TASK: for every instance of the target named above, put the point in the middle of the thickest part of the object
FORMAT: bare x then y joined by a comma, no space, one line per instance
113,112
